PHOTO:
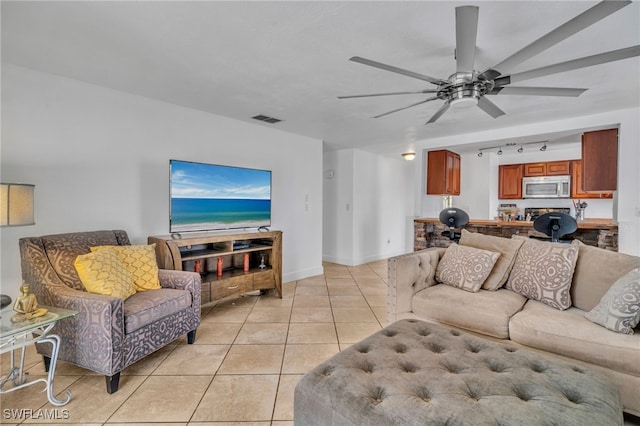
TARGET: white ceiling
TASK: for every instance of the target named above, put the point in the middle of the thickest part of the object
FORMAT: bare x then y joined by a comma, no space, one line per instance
290,59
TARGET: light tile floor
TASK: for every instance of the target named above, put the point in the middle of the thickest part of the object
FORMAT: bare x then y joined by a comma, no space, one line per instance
249,354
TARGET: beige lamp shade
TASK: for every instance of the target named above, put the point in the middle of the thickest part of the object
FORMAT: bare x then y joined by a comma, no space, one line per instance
16,204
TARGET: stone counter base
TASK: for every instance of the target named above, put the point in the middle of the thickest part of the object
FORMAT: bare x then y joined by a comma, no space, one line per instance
428,235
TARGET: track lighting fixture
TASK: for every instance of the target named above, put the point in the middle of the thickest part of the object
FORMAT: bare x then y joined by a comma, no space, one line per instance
510,145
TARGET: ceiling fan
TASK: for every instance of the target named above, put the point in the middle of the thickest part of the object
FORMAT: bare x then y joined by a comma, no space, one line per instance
468,87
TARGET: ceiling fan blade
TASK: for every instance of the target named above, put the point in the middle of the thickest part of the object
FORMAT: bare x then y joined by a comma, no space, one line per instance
439,113
537,91
489,107
398,70
466,32
407,107
388,94
564,31
587,61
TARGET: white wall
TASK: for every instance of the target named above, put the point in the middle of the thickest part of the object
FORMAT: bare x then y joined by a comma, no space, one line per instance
367,202
627,210
337,236
100,160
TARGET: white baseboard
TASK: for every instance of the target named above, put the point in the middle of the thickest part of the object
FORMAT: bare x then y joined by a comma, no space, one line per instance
299,275
360,261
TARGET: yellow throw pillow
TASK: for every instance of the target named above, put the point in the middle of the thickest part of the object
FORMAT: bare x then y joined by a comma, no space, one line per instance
140,262
103,272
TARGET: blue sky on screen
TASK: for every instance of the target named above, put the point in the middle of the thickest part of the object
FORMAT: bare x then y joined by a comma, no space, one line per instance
197,180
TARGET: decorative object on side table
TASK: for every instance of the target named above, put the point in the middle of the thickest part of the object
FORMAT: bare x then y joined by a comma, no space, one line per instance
4,301
26,305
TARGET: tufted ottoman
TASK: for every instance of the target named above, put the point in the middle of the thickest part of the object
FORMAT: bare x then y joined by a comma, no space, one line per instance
418,373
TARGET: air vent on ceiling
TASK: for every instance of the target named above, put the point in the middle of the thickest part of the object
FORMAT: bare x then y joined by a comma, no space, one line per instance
267,119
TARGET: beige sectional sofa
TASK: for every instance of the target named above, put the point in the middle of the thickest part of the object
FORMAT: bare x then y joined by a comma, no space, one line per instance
516,303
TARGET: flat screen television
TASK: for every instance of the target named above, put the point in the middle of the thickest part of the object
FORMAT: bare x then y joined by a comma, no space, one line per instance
207,197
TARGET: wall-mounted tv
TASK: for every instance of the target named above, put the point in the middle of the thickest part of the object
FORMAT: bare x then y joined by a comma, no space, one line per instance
206,197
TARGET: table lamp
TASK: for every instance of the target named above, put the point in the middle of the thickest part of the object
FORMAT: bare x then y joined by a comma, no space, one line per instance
16,204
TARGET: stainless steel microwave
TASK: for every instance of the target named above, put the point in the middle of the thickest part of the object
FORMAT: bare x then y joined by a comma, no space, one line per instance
546,187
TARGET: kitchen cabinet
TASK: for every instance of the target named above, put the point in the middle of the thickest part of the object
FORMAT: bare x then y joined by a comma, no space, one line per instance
549,168
443,173
600,160
577,190
535,169
557,168
510,181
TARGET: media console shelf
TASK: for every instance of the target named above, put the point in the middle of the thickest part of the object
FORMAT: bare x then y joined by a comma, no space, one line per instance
200,253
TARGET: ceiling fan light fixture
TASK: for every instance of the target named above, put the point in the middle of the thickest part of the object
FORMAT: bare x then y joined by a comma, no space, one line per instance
409,156
464,103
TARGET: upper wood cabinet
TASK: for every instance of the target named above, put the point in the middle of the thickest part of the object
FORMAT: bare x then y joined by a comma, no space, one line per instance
510,181
600,160
550,168
443,173
557,168
535,169
576,184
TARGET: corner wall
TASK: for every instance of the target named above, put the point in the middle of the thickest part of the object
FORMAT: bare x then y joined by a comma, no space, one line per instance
367,199
100,160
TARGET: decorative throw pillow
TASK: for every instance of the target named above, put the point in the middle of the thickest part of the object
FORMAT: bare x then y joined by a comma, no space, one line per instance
543,271
619,308
465,267
507,247
103,272
140,261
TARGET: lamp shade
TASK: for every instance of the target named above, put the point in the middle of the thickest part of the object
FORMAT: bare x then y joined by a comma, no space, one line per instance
16,204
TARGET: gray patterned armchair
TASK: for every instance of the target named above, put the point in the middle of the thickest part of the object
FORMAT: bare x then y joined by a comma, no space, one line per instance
109,334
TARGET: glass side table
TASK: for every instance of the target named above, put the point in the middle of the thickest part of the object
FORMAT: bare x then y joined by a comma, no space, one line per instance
14,336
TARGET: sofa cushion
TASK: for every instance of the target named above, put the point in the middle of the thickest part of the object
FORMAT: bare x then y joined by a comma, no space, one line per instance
543,271
619,308
465,267
485,312
570,334
103,272
507,247
147,307
140,261
596,270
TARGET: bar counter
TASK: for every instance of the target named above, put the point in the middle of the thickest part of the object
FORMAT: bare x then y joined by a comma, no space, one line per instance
601,233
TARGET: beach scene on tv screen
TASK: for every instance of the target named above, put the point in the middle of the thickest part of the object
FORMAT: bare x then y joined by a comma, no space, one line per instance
210,197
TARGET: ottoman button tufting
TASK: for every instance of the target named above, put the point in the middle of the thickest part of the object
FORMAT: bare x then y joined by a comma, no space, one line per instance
449,385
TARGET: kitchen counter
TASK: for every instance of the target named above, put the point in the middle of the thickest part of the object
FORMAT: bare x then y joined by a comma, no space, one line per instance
601,233
586,224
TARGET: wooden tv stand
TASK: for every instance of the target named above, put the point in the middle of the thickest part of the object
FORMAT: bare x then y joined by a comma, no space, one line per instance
201,251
